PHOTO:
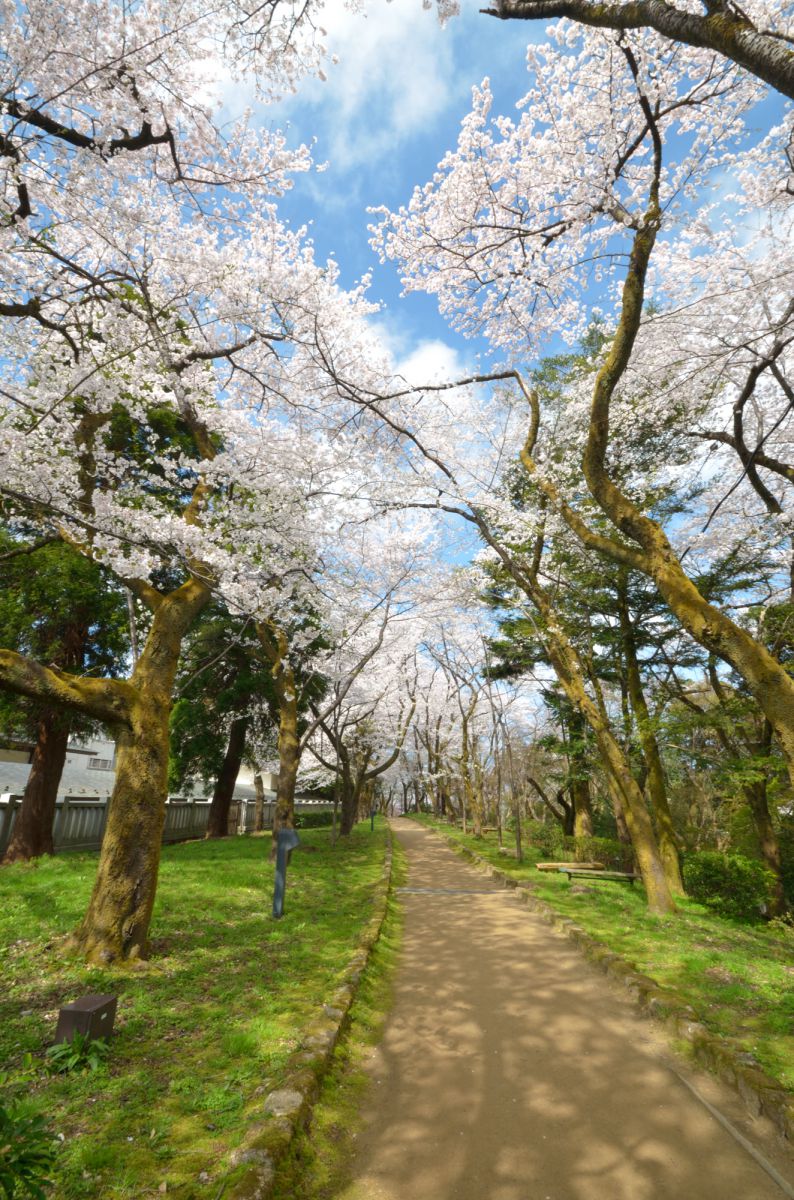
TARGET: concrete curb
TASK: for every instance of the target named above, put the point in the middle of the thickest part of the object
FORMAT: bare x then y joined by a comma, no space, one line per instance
284,1112
761,1094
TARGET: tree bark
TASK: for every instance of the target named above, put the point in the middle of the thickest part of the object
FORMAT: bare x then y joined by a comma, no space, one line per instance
580,785
32,834
756,796
259,810
563,657
218,822
657,787
116,925
288,757
348,799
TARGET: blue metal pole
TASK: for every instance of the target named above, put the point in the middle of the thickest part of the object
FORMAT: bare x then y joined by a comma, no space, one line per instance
286,841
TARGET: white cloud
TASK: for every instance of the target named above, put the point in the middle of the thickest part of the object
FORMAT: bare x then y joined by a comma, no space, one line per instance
395,76
419,360
432,361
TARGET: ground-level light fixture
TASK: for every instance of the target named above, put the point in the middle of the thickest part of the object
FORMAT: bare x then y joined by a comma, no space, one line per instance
93,1016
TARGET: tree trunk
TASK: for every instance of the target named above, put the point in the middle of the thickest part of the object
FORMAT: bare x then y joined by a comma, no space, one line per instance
564,660
580,785
259,808
349,801
582,808
218,823
33,827
624,837
116,925
657,788
755,794
289,753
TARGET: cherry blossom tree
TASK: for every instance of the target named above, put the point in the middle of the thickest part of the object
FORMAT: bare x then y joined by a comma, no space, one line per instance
361,725
170,406
591,196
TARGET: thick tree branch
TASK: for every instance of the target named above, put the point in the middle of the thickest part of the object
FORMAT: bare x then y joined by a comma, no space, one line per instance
106,700
38,119
724,29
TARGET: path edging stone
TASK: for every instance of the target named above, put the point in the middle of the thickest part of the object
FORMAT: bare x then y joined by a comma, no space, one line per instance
760,1093
288,1109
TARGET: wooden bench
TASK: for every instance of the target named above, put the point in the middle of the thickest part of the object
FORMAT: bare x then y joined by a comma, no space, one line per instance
615,876
574,866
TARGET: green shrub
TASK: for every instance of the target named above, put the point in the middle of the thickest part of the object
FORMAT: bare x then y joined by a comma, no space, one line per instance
27,1152
547,837
613,854
313,820
554,845
731,884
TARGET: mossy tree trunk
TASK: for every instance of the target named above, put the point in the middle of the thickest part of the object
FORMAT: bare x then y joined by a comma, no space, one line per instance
116,923
757,800
259,810
655,781
348,795
572,674
580,783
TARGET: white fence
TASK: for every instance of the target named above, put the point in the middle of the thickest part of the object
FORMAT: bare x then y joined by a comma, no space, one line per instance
80,823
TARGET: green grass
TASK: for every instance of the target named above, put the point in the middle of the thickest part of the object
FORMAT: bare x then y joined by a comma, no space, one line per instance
211,1018
738,978
319,1166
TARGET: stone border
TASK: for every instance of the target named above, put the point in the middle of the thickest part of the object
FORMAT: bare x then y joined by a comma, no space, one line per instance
760,1092
288,1109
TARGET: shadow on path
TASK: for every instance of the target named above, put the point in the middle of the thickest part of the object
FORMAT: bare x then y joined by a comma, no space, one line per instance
510,1070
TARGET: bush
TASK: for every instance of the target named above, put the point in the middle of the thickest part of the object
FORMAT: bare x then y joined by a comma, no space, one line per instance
27,1151
613,854
734,886
313,820
554,845
546,837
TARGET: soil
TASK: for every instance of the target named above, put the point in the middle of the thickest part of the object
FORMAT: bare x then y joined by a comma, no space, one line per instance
510,1069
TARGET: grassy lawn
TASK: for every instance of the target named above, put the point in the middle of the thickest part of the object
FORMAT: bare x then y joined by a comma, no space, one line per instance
738,978
212,1017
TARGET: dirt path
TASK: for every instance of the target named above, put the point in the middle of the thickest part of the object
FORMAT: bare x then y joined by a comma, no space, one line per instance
512,1070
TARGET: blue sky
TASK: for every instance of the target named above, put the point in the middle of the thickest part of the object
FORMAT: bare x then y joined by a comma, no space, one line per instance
383,119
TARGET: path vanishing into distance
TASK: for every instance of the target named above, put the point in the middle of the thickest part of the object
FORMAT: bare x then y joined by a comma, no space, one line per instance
510,1069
